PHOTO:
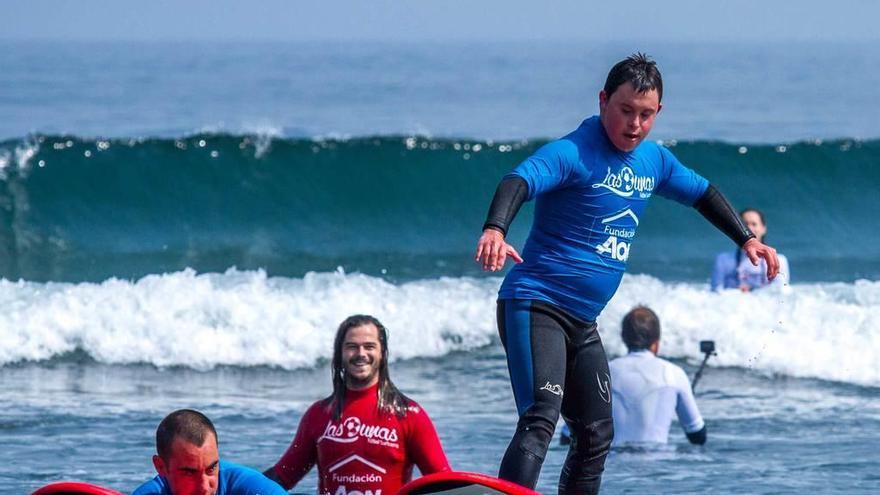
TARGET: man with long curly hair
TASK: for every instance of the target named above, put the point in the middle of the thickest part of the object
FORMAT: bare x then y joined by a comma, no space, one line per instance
366,436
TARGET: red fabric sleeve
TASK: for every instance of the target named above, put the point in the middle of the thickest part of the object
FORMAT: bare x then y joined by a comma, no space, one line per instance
422,442
302,453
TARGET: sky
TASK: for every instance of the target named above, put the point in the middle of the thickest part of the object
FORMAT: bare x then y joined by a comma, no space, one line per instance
441,20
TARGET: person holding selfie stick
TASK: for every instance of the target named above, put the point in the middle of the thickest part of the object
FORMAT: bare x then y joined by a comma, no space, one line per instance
647,390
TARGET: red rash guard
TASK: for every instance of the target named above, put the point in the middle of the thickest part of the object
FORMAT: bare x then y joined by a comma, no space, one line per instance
364,453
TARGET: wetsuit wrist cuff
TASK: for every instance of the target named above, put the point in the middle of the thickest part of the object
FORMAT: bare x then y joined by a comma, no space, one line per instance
495,227
697,437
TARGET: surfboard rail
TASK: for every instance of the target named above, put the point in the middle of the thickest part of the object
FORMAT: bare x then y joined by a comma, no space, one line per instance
462,483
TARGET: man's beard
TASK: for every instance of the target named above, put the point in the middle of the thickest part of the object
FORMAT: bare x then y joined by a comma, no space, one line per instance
358,382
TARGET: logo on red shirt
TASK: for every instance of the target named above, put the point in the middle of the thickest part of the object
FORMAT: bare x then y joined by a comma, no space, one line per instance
352,428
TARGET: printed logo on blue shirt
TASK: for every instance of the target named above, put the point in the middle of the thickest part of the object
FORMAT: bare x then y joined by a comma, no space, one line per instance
620,236
626,182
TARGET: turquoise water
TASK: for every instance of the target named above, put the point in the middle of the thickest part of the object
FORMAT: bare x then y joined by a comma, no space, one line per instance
401,207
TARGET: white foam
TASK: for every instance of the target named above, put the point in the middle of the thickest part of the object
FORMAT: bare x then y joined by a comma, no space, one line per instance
5,160
24,151
828,331
237,318
244,318
265,132
20,156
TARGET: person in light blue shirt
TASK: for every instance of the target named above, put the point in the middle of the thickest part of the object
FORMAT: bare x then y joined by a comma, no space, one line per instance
648,392
188,462
733,270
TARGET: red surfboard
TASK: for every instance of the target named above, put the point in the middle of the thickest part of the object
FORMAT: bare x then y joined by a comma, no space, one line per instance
462,483
74,488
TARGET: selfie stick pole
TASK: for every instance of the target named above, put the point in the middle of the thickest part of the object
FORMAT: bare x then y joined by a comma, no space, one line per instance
702,366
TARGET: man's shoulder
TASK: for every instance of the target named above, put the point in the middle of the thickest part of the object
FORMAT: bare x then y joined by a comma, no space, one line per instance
654,152
315,418
631,358
566,148
675,372
228,469
586,136
155,486
587,129
243,480
413,407
627,364
319,407
669,364
415,416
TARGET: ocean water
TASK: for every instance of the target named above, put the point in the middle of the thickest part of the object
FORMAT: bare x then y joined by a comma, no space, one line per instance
184,225
400,207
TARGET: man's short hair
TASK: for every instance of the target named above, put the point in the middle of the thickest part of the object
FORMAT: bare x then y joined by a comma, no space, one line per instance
637,69
185,424
640,328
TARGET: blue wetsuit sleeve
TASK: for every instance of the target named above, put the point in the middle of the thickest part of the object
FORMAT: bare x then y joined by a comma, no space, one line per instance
242,480
549,168
686,405
678,182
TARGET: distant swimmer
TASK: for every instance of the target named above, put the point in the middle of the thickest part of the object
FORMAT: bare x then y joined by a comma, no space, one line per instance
188,462
591,189
366,436
734,270
648,391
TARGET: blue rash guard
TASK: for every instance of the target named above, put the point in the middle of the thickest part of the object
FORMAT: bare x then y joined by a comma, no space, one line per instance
589,198
233,480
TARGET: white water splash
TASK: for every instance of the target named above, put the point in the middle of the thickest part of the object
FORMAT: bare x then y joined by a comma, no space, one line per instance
244,318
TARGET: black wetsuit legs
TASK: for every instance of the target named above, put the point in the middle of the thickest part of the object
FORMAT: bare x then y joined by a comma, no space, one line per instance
556,363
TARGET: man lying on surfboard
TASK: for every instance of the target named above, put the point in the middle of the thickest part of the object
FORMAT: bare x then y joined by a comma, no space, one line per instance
188,462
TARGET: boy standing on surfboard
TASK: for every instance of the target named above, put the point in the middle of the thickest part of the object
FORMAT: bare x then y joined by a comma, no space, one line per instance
591,188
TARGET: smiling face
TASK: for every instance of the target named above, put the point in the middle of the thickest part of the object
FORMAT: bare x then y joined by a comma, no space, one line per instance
628,115
191,469
362,356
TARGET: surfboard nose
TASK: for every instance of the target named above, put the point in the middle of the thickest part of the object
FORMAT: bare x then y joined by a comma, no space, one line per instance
74,488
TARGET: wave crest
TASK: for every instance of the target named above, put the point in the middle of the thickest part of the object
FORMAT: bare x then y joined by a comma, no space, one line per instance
245,318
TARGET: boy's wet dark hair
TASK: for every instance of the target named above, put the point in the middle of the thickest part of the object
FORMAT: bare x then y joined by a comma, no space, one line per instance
637,69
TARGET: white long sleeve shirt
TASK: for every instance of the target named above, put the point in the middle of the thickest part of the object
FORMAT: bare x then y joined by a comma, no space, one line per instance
647,391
